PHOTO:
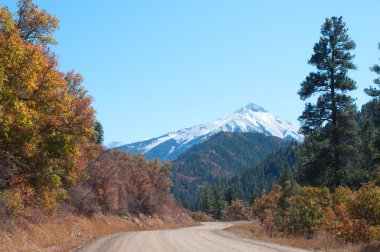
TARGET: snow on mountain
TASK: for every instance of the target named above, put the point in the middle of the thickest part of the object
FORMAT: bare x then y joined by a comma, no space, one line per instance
250,118
115,144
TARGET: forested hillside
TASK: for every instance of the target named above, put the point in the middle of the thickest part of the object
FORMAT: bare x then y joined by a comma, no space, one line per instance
267,173
222,156
247,186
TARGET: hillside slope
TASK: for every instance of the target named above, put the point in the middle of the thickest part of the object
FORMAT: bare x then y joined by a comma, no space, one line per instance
221,156
250,183
266,173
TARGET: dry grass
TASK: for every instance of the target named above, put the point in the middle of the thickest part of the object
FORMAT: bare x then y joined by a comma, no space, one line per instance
60,234
66,233
254,230
201,216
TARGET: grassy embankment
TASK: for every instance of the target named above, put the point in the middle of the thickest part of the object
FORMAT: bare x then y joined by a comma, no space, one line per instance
66,233
321,242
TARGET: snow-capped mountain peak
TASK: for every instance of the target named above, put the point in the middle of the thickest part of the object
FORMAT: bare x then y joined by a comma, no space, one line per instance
253,107
250,118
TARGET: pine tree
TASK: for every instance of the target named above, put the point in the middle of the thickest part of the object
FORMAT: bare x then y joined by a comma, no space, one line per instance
219,200
373,107
230,195
285,178
372,91
99,133
330,123
370,120
206,200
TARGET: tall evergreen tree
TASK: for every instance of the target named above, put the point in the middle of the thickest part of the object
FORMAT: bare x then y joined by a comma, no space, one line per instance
370,137
219,200
285,178
206,200
329,125
373,107
230,195
370,120
372,91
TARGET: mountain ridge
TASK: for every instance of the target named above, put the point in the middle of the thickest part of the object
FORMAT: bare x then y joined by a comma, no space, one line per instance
249,118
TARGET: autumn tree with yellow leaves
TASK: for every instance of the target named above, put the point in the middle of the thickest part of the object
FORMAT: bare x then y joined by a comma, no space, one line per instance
46,117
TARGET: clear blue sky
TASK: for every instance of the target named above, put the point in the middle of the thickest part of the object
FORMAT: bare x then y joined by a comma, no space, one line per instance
158,66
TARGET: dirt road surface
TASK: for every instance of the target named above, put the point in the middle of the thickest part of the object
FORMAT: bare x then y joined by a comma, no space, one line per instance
207,237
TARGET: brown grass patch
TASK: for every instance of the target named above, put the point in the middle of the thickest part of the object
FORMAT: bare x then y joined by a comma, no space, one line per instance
322,242
60,234
66,233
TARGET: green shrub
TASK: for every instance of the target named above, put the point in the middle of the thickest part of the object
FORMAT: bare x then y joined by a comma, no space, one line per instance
365,204
11,203
305,213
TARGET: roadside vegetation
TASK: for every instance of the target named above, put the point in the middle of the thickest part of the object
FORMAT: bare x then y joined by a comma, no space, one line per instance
55,173
347,215
329,195
52,161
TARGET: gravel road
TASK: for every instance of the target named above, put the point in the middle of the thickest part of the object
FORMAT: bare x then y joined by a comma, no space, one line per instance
207,237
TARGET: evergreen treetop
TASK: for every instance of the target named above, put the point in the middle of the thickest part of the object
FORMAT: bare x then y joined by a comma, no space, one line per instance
329,125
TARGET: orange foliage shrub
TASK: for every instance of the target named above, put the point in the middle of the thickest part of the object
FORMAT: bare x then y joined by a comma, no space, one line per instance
237,211
201,216
354,216
120,183
269,224
266,201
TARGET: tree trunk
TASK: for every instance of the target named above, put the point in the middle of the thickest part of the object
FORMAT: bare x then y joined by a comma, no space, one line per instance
335,134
